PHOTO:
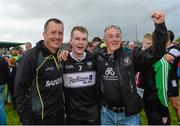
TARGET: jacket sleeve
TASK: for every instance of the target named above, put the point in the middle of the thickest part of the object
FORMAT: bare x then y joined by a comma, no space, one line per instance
144,59
99,88
23,82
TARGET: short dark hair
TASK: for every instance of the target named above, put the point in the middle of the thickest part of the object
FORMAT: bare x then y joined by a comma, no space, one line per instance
51,19
28,43
96,39
90,44
79,28
171,35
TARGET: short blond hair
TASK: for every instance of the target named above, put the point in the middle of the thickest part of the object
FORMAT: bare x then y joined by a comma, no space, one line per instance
148,36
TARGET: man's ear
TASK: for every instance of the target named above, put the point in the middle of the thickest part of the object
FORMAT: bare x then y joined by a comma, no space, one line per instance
44,35
70,40
104,40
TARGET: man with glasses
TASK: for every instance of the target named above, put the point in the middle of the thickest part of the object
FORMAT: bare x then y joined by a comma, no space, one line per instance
116,73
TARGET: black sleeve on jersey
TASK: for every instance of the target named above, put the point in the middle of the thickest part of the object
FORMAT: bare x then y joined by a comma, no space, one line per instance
174,47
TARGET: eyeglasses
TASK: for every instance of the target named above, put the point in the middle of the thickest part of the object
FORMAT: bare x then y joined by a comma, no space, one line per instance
112,26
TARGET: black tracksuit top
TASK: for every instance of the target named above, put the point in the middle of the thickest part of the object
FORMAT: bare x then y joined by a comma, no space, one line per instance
117,78
38,87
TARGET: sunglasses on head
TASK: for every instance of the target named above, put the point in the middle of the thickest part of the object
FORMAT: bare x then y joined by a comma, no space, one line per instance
112,26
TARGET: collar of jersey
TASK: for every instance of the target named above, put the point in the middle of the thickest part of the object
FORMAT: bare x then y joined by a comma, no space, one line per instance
78,60
170,46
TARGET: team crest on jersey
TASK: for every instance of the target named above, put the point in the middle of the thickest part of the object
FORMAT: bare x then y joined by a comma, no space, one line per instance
127,60
89,63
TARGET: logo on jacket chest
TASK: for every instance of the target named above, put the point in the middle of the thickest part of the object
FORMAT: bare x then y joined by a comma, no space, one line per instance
49,69
109,71
110,74
126,61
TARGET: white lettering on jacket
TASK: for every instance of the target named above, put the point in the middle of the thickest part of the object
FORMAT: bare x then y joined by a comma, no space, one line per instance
53,82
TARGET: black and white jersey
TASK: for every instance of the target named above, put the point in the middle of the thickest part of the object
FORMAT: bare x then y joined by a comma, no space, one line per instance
80,87
174,51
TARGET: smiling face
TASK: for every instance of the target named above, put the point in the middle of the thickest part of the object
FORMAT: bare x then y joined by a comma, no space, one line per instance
112,38
53,36
79,41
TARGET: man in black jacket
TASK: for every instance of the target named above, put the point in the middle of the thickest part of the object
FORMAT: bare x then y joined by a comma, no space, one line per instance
4,78
38,83
116,72
173,58
154,90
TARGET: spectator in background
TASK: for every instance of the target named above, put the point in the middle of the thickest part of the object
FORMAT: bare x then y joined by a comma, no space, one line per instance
132,45
12,68
28,46
129,45
15,54
147,41
90,47
9,54
8,96
173,57
4,78
1,52
97,43
146,44
152,90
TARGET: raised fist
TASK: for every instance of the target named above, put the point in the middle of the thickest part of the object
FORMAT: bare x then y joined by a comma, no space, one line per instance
158,17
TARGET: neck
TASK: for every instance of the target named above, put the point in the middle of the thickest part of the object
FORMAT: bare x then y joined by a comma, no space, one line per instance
110,51
168,44
50,49
77,56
